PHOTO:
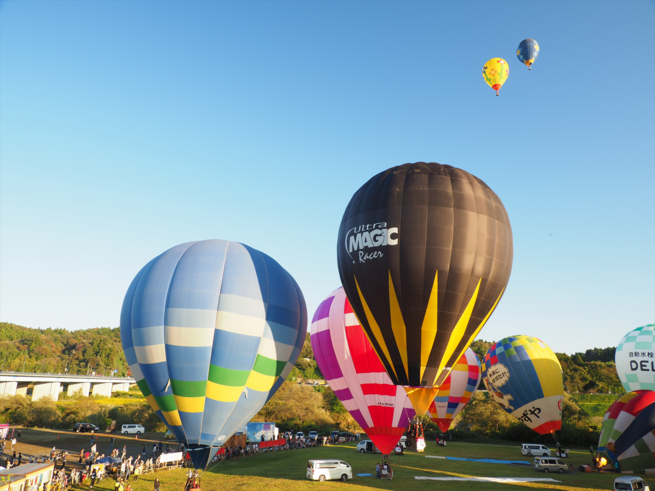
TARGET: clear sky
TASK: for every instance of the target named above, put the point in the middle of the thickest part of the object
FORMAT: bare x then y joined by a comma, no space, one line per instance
128,127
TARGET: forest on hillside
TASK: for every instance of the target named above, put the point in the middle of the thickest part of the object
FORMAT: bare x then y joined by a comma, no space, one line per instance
99,350
296,405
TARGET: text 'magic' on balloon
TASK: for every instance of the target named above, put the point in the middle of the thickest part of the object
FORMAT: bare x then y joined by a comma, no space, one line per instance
356,375
524,377
209,329
424,255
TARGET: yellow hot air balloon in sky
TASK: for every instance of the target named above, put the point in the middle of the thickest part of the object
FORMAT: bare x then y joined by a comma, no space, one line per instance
495,72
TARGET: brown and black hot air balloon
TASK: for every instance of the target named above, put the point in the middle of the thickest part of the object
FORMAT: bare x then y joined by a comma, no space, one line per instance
425,253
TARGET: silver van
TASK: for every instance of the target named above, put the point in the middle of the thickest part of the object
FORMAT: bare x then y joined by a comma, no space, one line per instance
322,470
550,464
367,446
535,449
132,429
631,483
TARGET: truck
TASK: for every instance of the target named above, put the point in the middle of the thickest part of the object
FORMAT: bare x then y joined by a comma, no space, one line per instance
258,432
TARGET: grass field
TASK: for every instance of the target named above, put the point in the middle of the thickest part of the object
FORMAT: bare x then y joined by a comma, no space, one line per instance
594,404
286,470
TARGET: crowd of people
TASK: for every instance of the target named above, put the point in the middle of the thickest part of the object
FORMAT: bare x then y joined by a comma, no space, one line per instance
92,466
290,443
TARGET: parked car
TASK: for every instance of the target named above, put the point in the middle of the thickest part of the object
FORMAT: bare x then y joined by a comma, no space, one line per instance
169,435
322,470
84,427
300,435
535,450
630,483
403,441
313,434
334,435
132,429
367,446
549,464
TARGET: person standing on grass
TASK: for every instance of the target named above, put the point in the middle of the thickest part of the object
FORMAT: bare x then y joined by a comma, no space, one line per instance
94,476
156,486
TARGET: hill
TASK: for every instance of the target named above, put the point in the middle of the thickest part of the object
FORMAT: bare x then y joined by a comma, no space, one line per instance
23,349
99,350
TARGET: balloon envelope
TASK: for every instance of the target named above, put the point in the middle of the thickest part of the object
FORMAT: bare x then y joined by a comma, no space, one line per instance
627,432
424,254
495,73
356,375
524,377
456,391
527,52
635,359
208,329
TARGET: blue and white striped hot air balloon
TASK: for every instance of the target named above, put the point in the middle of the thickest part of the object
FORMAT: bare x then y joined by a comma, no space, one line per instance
210,330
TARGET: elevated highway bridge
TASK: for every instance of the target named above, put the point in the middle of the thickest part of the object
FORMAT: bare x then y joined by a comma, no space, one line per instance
40,385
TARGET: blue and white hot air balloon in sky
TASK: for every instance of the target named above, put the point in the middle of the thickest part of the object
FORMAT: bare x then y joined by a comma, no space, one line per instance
210,330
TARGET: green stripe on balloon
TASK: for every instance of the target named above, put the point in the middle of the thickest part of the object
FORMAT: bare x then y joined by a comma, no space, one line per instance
166,403
189,389
143,385
268,366
226,376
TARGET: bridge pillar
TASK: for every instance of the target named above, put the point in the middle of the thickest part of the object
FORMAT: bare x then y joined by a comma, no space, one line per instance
85,387
120,387
8,388
21,388
102,389
45,389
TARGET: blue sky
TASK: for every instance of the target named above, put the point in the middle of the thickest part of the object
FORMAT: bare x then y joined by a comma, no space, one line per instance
127,128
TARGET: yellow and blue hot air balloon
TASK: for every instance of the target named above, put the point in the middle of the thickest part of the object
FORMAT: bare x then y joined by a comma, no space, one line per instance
210,330
524,377
527,52
495,73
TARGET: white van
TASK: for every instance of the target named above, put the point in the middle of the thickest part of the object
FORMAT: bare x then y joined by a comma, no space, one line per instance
321,470
367,446
632,483
550,464
132,429
535,449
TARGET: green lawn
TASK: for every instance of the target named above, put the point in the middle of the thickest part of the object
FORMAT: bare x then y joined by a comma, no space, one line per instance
286,471
595,404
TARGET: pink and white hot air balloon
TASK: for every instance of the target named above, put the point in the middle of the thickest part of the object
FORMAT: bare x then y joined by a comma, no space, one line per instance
356,374
456,390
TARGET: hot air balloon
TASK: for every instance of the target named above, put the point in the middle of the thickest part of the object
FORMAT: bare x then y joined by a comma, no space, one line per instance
424,255
635,359
495,72
208,329
356,375
627,432
527,52
524,377
456,391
